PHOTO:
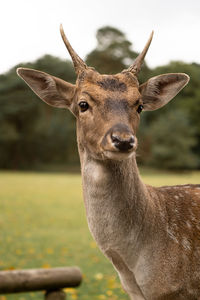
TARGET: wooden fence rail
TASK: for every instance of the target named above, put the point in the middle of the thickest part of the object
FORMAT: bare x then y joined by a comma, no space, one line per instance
51,280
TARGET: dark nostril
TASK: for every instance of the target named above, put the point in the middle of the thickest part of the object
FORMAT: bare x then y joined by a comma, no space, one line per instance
123,144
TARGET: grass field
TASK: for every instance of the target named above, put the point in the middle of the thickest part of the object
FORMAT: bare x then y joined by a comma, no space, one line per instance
43,225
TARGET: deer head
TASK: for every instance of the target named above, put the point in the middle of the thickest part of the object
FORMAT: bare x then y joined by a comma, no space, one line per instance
107,107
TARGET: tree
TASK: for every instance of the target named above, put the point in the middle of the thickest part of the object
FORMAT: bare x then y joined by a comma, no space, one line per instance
30,131
170,139
187,101
113,53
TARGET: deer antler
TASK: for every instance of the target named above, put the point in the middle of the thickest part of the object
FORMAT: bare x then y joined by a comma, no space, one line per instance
136,66
79,64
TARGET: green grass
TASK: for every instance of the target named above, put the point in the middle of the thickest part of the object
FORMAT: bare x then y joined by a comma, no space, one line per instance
43,224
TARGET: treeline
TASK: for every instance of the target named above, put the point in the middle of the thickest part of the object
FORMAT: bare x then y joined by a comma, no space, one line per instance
32,134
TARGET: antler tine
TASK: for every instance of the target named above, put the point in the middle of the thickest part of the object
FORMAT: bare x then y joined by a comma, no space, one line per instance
136,66
79,64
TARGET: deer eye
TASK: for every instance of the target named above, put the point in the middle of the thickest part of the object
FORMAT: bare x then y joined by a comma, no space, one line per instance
140,108
83,106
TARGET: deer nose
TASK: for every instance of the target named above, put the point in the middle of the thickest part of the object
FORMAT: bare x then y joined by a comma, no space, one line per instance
123,142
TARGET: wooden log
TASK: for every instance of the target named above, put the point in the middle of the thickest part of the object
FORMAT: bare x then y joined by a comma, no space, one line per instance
55,295
39,279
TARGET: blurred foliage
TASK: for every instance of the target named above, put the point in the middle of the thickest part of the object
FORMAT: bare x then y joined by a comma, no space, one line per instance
170,136
34,134
171,140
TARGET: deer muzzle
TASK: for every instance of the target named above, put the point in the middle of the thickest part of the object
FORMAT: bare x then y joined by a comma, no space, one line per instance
119,142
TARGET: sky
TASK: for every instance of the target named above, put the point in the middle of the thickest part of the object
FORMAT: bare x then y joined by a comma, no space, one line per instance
30,28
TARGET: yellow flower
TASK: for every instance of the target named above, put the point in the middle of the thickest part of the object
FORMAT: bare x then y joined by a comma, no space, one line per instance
109,293
111,283
71,291
101,297
93,245
64,251
18,251
98,276
46,266
50,251
11,268
31,251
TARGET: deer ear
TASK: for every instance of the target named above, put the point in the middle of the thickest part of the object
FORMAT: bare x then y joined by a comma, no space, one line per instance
52,90
159,90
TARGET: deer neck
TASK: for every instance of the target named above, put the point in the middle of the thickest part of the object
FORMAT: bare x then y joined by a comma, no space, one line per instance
116,199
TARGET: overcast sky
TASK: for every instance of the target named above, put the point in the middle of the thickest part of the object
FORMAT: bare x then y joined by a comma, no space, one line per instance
30,28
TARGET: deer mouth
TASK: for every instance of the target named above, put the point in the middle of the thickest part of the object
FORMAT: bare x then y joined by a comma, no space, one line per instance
110,151
118,155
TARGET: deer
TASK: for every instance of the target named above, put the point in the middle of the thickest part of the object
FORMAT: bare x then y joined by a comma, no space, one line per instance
150,234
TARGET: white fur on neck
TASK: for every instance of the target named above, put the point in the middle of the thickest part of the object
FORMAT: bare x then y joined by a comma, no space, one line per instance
108,205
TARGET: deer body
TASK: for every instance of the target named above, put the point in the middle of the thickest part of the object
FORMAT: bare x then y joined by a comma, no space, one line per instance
151,235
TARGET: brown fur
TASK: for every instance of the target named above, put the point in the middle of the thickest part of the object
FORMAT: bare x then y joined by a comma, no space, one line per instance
112,84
